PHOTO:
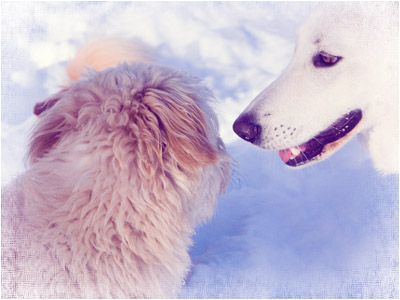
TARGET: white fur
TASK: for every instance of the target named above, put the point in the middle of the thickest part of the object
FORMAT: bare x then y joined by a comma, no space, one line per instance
124,163
309,99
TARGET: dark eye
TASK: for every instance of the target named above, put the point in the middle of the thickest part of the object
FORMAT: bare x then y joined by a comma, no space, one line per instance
323,59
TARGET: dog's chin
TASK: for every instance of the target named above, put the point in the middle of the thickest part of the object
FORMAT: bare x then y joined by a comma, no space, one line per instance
325,143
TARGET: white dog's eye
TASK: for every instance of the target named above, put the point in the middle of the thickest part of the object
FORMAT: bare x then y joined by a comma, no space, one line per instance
323,59
329,59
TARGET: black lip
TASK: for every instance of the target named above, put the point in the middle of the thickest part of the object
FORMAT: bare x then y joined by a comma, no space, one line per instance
334,132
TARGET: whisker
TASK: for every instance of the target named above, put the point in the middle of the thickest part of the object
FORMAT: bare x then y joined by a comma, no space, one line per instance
318,141
335,128
348,120
302,153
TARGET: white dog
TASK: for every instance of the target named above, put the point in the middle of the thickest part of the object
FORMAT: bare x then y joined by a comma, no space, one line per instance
123,164
342,80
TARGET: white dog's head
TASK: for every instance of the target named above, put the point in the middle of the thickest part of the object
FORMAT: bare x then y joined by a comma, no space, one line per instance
342,80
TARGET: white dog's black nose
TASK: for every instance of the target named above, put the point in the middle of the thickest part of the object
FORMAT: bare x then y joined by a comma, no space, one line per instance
247,128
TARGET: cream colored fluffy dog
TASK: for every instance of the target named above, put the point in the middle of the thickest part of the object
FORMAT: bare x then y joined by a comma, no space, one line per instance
123,163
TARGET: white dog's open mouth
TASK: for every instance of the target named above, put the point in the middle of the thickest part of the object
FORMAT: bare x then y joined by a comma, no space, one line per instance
324,144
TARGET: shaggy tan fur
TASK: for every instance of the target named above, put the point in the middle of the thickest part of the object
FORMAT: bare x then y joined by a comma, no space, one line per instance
123,164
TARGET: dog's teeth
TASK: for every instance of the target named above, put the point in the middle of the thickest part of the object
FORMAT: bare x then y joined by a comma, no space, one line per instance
295,151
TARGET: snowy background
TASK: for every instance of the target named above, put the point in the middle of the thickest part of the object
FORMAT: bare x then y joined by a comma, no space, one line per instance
327,231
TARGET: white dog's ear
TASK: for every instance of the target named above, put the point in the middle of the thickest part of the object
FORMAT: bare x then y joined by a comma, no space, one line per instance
184,128
55,118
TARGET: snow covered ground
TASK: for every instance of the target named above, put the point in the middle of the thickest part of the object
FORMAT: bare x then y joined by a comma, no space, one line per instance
327,231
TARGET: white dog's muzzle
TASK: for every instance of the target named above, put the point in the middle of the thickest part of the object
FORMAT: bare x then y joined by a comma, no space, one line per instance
317,147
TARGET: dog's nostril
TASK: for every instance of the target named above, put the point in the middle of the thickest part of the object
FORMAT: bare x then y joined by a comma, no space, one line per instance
246,128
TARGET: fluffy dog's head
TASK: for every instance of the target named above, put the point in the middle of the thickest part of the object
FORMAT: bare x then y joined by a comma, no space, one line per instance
154,106
143,120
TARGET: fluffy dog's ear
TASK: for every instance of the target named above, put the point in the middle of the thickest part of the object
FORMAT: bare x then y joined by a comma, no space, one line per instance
45,105
184,128
55,118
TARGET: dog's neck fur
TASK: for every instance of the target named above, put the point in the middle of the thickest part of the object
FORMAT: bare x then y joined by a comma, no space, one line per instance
119,214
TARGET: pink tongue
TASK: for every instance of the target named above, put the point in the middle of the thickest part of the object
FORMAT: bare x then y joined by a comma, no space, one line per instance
285,154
